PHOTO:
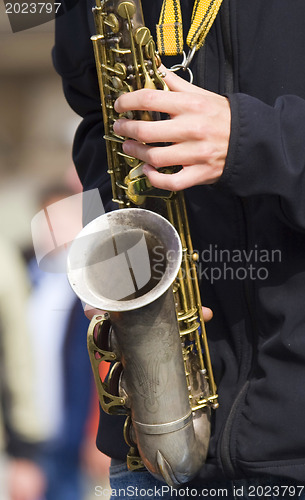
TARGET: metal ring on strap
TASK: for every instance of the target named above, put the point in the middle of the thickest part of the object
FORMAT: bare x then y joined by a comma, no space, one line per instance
186,61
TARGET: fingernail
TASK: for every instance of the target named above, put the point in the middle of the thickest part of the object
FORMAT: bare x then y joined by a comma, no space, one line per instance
145,169
116,126
126,147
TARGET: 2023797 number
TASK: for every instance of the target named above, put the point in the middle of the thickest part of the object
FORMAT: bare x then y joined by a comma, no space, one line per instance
275,491
32,8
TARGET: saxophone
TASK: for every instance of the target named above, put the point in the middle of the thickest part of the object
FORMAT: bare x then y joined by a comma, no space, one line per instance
154,335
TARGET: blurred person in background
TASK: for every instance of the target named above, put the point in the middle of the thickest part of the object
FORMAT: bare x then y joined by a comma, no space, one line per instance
21,429
64,381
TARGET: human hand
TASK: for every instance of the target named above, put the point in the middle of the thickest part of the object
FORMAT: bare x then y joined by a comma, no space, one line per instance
198,130
26,481
94,463
90,312
207,314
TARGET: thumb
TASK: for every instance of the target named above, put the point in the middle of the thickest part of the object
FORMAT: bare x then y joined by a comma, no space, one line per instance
207,314
90,312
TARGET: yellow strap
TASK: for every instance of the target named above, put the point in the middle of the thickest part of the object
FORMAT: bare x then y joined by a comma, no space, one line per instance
204,14
170,29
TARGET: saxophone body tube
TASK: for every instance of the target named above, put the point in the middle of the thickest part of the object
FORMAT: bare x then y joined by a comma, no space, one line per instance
112,266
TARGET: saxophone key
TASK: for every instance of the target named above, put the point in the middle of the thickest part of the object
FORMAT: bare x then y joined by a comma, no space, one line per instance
126,9
112,22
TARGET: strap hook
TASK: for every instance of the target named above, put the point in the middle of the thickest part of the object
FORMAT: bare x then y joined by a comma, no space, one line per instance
186,61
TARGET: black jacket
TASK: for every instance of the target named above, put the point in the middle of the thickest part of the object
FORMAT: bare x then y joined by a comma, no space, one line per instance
254,216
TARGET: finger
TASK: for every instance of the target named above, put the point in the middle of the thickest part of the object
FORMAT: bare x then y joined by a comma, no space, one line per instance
90,311
154,131
172,103
184,153
185,178
178,84
207,314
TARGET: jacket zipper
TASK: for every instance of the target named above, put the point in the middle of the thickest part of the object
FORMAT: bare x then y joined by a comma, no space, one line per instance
225,454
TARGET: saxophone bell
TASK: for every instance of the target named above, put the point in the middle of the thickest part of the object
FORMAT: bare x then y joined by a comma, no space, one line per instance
124,260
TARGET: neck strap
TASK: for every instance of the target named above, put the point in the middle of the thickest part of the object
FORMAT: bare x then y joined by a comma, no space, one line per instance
170,27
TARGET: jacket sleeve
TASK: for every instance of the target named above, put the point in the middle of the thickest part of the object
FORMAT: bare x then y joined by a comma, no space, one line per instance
73,59
266,153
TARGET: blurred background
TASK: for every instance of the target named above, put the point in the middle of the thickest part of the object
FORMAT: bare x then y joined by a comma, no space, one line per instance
36,133
37,125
